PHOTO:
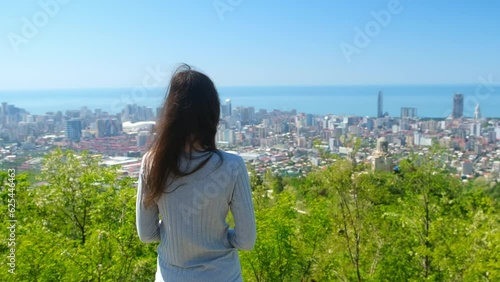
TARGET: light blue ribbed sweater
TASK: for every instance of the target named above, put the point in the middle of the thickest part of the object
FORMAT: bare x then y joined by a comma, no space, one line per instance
196,243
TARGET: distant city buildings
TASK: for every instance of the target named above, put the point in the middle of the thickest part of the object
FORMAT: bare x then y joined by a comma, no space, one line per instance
285,142
475,129
421,140
74,130
407,112
143,138
135,113
477,112
108,127
458,106
246,115
380,104
226,108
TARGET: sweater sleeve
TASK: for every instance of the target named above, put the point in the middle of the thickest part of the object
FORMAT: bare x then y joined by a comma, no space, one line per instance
243,235
147,218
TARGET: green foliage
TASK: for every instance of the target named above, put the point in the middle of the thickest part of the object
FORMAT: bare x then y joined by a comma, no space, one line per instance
77,224
274,256
342,223
354,225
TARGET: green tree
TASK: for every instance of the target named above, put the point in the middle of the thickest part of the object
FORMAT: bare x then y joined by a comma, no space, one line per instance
78,224
274,257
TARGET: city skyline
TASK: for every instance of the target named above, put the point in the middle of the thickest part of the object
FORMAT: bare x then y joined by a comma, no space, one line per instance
54,43
227,109
253,132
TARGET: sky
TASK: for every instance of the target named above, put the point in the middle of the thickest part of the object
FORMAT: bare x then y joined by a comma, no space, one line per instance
47,44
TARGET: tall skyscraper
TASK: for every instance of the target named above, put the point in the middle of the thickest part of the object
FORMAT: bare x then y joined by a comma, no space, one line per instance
245,116
477,112
458,106
380,108
229,109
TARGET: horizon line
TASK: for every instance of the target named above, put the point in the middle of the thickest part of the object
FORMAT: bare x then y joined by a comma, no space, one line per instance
251,86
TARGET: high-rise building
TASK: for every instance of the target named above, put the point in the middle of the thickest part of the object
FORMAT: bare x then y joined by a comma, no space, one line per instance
285,127
244,116
475,129
477,112
74,130
228,108
135,113
262,131
4,109
380,107
407,112
458,106
223,110
108,127
310,120
101,128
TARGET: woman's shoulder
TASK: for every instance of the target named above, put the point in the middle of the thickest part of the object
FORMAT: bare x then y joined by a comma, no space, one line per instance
230,156
232,161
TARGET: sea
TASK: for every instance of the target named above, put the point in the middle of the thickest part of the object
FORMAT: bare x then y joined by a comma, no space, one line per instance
434,101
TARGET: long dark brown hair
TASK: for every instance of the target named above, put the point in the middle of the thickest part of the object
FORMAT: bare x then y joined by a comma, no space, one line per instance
188,123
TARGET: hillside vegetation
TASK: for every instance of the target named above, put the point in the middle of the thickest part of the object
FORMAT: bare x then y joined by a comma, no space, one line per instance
76,222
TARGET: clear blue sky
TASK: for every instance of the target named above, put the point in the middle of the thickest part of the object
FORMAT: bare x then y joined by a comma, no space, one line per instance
90,43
